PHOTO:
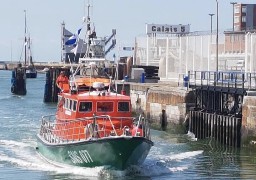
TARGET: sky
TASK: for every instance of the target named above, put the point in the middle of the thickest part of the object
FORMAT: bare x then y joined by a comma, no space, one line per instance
128,17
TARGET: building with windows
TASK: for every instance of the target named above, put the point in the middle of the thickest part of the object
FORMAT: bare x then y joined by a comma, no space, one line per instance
176,55
244,17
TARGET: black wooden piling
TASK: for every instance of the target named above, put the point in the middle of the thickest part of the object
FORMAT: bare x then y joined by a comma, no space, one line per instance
51,90
18,81
163,120
224,129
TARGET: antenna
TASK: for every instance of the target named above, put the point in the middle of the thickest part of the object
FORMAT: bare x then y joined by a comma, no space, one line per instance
84,8
88,30
88,10
25,40
25,23
11,50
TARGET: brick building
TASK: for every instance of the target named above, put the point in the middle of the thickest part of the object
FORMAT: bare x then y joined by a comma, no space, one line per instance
244,17
244,22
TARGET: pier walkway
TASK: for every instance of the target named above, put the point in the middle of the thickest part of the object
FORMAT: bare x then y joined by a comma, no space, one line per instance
10,65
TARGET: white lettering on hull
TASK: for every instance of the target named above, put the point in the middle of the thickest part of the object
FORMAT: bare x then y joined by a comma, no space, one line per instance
79,157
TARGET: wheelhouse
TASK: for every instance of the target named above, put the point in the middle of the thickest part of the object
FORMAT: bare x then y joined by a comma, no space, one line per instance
73,107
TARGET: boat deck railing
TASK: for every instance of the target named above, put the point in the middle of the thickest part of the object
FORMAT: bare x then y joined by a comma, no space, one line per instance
89,128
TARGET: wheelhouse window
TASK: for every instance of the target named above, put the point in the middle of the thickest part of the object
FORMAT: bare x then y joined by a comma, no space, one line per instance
105,106
61,101
66,105
123,106
85,107
59,98
70,104
74,106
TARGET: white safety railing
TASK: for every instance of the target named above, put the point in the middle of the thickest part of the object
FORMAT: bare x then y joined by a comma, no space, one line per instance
71,130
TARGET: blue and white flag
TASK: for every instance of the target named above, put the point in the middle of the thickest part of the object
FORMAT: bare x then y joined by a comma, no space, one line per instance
73,39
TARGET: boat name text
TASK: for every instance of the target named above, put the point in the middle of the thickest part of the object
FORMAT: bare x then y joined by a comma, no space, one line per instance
79,157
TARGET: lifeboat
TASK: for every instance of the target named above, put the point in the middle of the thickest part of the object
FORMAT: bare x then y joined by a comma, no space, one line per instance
93,125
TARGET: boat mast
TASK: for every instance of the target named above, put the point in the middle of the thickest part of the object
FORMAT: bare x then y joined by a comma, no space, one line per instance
29,53
25,40
88,31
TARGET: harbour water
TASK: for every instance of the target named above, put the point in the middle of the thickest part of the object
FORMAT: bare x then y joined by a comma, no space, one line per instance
174,156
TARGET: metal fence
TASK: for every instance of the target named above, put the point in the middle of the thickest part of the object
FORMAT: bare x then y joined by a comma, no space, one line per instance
230,79
176,55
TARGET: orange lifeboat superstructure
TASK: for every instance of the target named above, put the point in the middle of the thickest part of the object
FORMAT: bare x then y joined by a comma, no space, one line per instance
96,103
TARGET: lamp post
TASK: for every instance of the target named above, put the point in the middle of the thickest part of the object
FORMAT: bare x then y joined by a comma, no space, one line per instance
233,3
211,24
217,37
25,40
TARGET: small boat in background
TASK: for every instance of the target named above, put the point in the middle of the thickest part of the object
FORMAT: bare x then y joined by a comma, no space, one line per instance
19,74
31,71
43,71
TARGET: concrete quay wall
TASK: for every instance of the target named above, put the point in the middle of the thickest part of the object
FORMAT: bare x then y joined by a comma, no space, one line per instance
152,98
249,119
38,65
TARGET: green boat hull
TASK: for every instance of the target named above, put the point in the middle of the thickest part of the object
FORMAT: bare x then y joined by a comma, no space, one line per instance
116,152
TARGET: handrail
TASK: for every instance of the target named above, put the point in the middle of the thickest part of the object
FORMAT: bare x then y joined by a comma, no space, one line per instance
138,125
88,118
112,124
56,132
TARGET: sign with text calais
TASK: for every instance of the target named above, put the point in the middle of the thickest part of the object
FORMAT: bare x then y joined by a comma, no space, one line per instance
167,29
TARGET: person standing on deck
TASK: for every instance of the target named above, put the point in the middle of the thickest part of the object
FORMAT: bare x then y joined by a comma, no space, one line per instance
62,81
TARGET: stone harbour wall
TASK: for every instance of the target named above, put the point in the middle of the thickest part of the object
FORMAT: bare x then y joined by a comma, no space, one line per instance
249,118
153,98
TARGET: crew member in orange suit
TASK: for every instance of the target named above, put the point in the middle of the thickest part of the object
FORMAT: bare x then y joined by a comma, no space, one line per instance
62,80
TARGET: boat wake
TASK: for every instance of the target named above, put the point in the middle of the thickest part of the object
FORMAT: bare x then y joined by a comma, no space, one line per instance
24,155
12,97
8,97
156,166
192,136
159,165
